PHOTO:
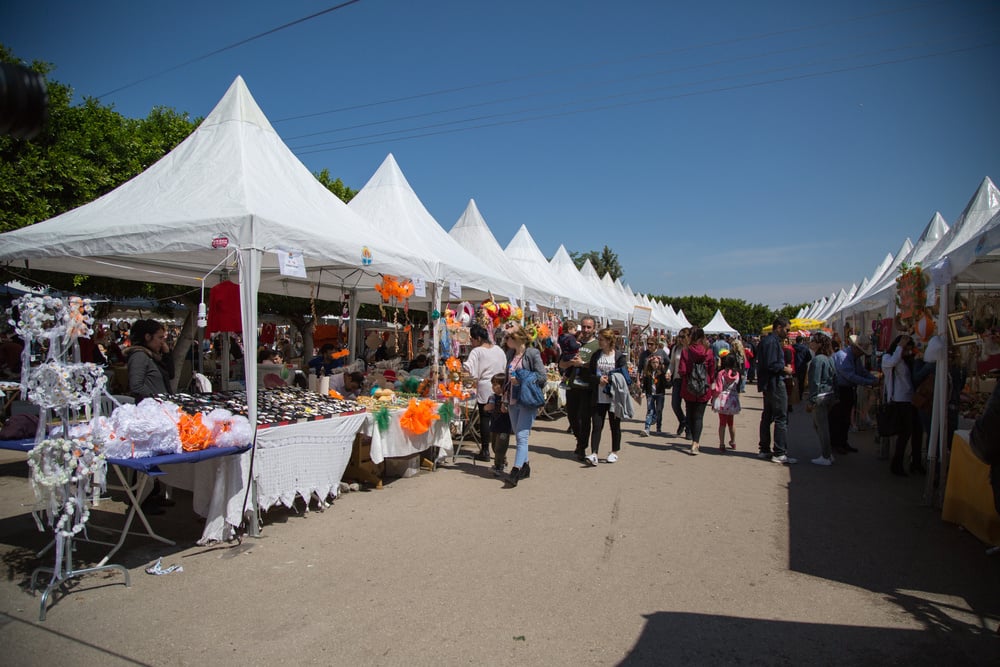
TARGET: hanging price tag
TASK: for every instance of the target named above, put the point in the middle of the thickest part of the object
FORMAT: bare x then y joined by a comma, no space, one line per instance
291,263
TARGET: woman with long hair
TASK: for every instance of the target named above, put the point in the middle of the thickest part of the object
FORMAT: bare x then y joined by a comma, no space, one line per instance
602,365
681,342
150,368
524,364
822,393
897,364
697,371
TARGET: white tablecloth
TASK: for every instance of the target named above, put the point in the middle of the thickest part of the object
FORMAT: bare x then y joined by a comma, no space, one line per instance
297,459
396,442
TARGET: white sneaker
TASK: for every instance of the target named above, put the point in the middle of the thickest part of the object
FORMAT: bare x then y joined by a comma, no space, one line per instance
612,457
592,459
644,433
823,461
784,460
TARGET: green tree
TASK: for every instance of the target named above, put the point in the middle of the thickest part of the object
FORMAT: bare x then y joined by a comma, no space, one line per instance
605,261
82,152
336,186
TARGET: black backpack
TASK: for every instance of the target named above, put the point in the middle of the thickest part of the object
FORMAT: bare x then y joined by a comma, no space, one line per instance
698,379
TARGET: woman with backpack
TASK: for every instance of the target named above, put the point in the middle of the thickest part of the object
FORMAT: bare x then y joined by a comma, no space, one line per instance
697,372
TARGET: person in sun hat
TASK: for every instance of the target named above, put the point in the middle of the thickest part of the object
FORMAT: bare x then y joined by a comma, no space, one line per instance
851,373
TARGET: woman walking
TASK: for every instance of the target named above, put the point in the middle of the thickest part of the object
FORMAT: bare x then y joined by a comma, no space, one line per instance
822,393
897,364
697,371
675,380
524,364
603,365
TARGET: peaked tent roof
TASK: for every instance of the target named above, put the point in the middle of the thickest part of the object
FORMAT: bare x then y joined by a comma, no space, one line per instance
523,251
983,205
683,318
590,273
391,205
472,233
718,325
232,177
860,299
563,265
879,294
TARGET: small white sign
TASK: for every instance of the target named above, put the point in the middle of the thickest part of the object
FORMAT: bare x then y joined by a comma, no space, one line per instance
641,315
454,289
291,263
419,287
532,306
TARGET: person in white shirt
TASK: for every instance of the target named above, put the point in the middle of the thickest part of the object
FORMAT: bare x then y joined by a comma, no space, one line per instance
484,361
897,364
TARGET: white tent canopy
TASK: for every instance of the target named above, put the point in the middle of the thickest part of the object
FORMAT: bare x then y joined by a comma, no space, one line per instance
233,182
563,265
523,251
391,205
719,325
472,233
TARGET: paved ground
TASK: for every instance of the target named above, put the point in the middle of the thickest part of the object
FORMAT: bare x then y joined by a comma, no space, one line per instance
661,558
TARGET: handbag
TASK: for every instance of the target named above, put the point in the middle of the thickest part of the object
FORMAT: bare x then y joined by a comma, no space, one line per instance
529,394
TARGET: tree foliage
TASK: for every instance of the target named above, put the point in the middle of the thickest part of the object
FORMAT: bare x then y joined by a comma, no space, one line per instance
605,261
336,186
83,152
745,317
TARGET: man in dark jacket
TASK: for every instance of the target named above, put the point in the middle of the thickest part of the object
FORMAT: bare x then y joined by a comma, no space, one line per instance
771,373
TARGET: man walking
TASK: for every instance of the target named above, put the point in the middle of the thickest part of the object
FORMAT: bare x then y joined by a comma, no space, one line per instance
771,373
578,408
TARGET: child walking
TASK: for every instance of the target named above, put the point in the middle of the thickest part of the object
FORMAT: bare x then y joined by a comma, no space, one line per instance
654,385
727,399
500,424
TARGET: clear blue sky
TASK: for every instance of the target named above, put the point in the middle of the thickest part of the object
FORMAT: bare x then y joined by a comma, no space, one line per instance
770,151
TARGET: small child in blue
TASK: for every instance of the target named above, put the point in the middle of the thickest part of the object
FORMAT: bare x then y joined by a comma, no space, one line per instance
500,425
568,344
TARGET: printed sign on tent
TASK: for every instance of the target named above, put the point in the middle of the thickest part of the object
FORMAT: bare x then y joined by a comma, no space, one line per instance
291,263
419,287
454,289
532,306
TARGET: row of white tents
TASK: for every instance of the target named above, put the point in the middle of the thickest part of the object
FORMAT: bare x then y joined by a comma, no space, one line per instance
964,258
233,196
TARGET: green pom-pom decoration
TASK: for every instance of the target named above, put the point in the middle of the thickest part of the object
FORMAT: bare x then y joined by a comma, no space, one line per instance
382,419
435,315
446,411
411,384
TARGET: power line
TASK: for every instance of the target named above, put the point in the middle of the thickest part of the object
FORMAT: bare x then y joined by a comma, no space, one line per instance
754,84
605,63
229,47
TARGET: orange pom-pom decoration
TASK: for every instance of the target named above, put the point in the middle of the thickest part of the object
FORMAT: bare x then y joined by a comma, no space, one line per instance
417,418
194,434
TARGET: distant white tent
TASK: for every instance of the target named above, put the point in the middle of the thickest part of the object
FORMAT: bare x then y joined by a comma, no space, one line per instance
684,320
719,325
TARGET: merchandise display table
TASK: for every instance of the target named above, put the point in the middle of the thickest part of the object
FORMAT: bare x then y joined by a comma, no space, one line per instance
968,497
397,443
153,466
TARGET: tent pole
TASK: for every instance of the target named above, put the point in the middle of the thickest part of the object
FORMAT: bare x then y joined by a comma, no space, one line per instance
939,405
352,326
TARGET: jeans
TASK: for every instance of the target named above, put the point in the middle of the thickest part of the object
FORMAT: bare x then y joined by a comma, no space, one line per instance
776,412
821,422
675,403
597,418
654,411
695,419
521,419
